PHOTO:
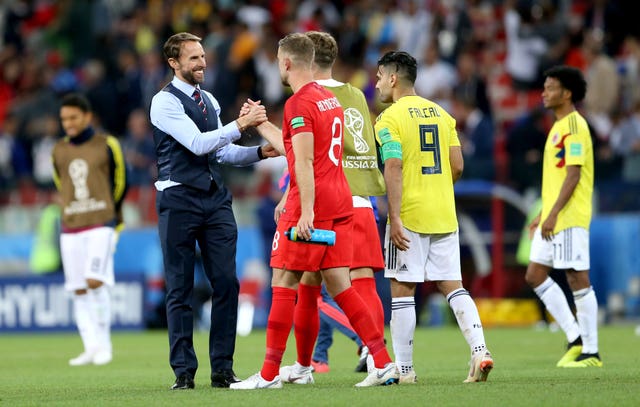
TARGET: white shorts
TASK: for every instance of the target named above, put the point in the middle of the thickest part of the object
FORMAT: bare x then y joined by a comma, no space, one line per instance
430,257
569,249
87,255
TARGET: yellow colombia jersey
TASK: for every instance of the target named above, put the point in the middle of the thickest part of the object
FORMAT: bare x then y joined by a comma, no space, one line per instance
568,143
425,131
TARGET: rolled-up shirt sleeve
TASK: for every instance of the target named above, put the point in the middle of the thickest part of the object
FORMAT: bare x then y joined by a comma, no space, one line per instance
168,115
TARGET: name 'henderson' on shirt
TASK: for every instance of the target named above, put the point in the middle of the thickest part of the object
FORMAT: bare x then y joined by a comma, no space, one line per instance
327,104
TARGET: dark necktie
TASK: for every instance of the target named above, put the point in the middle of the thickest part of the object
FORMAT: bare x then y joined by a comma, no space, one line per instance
198,98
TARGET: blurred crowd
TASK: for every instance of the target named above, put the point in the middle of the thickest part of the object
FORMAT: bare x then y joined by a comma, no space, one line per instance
483,60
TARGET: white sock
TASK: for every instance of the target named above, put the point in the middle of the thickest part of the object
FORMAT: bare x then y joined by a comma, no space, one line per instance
554,299
83,313
468,319
587,314
101,302
403,327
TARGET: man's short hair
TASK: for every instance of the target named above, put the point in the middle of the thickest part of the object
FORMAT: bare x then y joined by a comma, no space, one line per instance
404,64
326,48
299,47
76,100
172,46
571,79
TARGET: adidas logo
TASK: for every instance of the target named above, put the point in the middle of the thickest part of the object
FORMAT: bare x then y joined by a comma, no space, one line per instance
403,268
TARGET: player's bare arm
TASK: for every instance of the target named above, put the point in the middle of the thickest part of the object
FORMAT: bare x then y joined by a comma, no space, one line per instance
303,151
268,130
534,225
273,134
393,180
568,186
457,162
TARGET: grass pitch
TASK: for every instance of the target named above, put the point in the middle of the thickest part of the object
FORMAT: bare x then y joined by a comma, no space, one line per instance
34,372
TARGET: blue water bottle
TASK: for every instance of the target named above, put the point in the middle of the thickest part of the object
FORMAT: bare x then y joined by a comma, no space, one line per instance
318,236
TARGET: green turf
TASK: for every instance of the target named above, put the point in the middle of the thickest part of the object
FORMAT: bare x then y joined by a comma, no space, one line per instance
34,372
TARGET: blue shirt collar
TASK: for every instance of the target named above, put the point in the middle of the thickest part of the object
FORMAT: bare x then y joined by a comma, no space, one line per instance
184,87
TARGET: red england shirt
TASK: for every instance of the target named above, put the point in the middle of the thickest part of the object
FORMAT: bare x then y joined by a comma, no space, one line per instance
316,110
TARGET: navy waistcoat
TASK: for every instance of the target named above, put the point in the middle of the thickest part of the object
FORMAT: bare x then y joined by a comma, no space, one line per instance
175,161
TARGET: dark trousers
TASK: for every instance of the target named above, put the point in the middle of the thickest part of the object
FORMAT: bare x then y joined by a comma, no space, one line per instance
186,216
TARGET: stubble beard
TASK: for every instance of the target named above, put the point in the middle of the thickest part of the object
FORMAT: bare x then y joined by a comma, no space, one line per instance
191,78
385,98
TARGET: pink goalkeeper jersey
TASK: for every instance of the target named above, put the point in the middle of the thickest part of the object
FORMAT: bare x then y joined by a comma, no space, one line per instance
316,110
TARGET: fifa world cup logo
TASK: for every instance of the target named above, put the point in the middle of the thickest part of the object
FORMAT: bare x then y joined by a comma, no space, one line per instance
78,171
354,122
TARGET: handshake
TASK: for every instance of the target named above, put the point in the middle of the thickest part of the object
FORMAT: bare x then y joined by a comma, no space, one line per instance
252,114
256,114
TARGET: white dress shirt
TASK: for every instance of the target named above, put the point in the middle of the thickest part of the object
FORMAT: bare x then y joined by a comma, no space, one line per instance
168,114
